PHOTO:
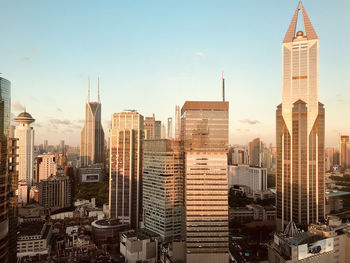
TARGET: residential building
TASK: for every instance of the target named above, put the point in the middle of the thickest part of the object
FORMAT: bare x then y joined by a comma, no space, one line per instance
163,188
46,166
300,130
204,131
126,155
92,136
55,192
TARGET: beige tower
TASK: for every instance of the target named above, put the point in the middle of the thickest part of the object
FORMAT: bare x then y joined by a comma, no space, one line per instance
300,130
125,170
204,131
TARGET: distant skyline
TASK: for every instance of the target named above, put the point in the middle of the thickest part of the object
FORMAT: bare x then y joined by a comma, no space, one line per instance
153,55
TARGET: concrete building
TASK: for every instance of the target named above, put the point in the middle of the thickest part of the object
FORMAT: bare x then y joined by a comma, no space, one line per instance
163,188
126,155
320,244
92,136
34,238
238,155
25,135
55,192
300,130
46,166
163,132
253,177
5,99
152,128
107,231
204,131
252,212
139,246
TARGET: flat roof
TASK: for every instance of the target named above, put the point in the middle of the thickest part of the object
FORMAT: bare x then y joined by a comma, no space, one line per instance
205,105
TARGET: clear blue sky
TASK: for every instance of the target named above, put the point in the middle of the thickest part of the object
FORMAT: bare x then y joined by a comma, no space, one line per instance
153,55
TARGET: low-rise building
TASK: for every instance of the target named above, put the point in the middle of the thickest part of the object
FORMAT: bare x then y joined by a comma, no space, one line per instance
33,238
92,173
253,212
139,246
322,243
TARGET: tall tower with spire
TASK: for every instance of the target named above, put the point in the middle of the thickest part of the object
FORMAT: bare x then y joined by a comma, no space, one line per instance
92,135
300,129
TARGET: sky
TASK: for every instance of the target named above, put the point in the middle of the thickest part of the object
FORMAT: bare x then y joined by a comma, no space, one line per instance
153,55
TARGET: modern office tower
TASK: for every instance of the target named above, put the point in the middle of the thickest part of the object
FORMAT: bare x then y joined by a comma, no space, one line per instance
46,166
177,123
12,156
163,132
300,130
25,134
5,98
126,155
46,145
55,192
204,131
255,149
92,136
170,128
152,128
343,151
237,155
163,187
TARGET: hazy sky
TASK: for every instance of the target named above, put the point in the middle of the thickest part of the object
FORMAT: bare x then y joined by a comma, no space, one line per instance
153,55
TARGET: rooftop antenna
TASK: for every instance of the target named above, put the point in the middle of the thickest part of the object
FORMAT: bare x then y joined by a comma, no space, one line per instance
223,87
98,89
89,89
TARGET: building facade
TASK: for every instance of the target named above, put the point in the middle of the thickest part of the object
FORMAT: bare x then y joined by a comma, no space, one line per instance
25,135
92,136
5,98
163,188
46,166
255,150
125,171
152,128
55,192
253,177
344,148
170,128
300,130
204,131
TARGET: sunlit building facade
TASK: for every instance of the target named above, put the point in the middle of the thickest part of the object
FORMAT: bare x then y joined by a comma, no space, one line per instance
163,188
204,131
125,170
92,136
300,130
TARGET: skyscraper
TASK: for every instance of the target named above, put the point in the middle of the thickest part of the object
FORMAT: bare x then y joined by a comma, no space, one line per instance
46,166
125,169
152,128
92,136
255,148
5,98
300,129
177,123
204,131
163,187
344,146
25,134
170,128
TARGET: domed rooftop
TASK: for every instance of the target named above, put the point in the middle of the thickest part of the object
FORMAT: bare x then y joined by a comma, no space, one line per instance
24,117
24,114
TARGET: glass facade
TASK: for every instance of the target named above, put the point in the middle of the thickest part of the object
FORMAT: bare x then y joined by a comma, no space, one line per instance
5,100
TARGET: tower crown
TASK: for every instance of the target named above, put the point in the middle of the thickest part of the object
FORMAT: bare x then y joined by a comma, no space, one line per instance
309,31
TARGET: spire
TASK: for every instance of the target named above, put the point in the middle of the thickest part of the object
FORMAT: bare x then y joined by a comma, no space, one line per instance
89,89
98,89
223,87
308,28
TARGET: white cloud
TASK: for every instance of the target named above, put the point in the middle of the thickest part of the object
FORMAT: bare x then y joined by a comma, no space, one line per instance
199,54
